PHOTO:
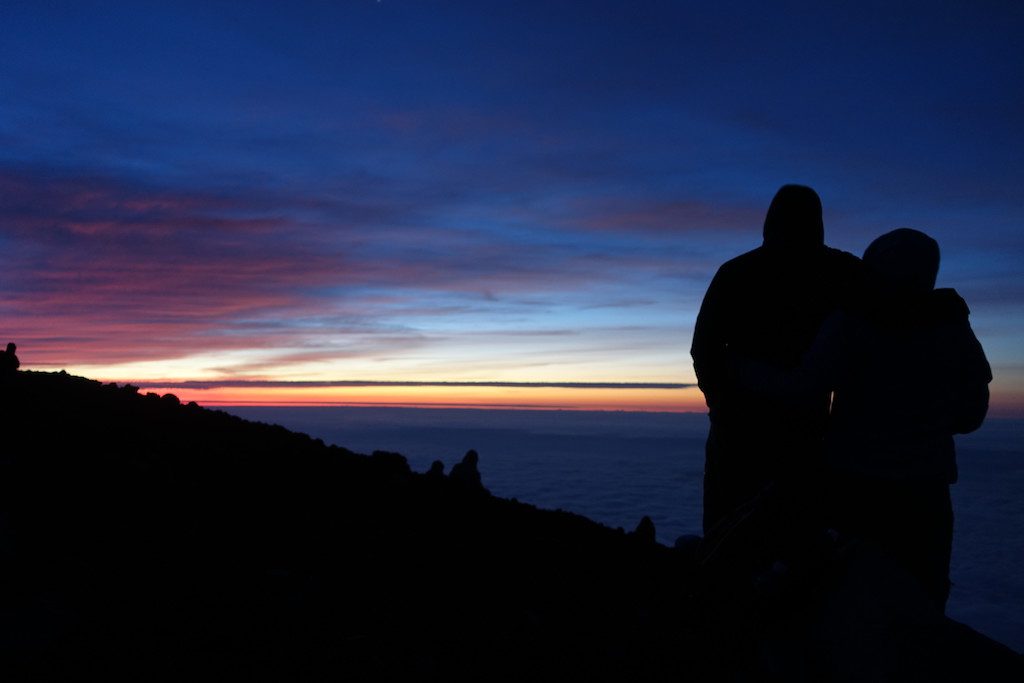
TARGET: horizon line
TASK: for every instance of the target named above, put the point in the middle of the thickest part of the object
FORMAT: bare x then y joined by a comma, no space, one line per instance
201,385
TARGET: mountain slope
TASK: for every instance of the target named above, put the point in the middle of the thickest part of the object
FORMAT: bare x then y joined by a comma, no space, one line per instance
147,539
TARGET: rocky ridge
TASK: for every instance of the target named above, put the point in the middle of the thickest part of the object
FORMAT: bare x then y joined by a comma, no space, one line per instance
144,538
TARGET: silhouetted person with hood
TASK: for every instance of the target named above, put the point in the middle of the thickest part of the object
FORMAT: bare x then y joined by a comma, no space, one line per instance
766,304
907,374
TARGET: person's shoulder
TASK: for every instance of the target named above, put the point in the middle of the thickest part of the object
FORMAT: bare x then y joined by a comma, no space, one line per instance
949,305
839,253
840,257
744,261
844,270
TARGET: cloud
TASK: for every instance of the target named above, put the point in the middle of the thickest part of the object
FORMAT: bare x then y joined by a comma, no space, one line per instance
100,269
116,267
669,217
262,384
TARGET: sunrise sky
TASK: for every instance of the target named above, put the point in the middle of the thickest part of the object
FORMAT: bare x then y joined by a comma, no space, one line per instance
310,202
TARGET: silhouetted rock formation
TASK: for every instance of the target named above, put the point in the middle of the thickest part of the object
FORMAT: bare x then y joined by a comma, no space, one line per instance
645,531
466,475
9,362
145,539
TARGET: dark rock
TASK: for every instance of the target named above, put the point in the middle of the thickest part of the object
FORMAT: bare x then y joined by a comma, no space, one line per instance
645,532
687,544
392,465
466,475
9,362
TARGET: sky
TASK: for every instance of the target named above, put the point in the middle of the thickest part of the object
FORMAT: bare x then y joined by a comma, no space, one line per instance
513,204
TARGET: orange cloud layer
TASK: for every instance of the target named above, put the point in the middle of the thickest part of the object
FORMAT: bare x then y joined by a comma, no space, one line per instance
546,398
1003,405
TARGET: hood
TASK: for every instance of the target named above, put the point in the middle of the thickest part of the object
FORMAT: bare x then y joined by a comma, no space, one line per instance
905,259
794,220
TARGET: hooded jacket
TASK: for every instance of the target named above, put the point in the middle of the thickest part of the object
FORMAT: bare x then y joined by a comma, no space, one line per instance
767,305
907,370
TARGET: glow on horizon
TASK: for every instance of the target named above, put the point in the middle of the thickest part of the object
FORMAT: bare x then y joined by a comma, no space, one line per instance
428,390
682,400
400,383
398,387
687,400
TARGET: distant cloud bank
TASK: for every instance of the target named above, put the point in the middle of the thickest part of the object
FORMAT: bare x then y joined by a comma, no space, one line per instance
270,384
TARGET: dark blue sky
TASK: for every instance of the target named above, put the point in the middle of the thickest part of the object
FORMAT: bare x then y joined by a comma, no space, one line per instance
477,191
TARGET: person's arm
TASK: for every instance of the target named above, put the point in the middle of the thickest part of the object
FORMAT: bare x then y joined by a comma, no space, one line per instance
798,386
709,347
966,369
971,397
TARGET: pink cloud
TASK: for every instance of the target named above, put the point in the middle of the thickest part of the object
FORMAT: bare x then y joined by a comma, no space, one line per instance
101,270
665,217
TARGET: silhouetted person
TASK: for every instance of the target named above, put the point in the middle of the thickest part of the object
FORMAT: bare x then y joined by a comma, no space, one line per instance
9,362
907,374
766,304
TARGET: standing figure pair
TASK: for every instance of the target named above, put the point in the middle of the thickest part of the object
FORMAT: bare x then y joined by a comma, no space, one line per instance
863,409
